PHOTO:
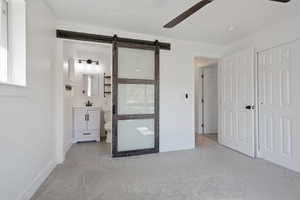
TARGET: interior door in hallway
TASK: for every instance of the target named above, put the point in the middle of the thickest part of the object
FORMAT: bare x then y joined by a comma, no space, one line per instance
237,102
135,99
210,99
279,97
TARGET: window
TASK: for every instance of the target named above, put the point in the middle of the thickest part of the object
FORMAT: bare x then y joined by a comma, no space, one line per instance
13,42
4,41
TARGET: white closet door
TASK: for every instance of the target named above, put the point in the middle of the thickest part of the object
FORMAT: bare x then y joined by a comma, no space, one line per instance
279,97
237,92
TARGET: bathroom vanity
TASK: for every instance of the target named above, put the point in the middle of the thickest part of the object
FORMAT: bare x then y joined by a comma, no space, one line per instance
86,124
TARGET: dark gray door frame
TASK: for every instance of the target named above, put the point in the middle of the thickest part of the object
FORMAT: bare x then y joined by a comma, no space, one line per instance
116,81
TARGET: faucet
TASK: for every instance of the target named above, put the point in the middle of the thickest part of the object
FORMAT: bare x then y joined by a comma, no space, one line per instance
88,104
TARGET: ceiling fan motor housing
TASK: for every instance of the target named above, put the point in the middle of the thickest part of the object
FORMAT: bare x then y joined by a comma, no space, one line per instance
283,1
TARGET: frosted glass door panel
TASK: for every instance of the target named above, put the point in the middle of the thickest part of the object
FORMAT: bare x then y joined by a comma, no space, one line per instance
135,99
136,64
135,134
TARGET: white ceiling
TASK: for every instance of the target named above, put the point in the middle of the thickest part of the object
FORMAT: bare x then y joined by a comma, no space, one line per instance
210,24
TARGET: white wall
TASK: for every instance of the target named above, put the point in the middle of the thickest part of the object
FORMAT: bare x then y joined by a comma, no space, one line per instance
27,128
68,123
177,78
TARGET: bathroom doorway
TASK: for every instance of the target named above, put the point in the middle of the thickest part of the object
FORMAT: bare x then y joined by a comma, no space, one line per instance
87,102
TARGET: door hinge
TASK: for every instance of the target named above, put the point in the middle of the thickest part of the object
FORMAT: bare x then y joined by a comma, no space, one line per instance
202,100
202,75
202,125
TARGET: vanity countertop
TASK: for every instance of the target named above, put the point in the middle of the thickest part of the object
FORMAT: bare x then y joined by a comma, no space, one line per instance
86,107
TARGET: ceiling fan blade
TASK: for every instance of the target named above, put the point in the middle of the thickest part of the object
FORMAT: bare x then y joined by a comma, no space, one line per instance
187,13
281,1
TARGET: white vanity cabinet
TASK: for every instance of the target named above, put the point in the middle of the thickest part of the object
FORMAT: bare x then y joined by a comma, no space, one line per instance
86,124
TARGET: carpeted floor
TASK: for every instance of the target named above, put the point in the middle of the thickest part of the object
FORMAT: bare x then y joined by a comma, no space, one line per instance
210,172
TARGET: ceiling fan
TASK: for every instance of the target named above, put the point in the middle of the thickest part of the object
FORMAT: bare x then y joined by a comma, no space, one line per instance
195,8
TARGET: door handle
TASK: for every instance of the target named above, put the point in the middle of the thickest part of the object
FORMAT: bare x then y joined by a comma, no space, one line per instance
114,109
248,107
87,117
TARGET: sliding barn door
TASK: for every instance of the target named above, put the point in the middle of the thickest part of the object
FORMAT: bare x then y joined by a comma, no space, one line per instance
135,99
279,98
237,102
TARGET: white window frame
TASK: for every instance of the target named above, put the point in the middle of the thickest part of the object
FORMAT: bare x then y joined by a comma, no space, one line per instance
15,72
4,72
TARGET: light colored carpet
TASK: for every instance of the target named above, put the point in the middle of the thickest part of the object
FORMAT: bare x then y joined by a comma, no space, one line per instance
210,172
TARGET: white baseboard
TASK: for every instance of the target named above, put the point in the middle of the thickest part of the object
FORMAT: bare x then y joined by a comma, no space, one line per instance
176,148
68,148
65,151
37,182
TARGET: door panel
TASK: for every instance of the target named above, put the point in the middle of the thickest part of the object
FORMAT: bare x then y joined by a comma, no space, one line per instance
136,134
93,120
237,92
279,99
136,63
80,121
135,99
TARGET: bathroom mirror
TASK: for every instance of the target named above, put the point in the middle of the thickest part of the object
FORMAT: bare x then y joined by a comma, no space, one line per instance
90,85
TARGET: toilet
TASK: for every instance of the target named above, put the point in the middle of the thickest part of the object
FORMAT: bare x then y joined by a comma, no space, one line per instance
108,119
108,125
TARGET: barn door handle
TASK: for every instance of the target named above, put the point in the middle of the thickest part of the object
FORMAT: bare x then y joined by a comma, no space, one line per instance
114,109
248,107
